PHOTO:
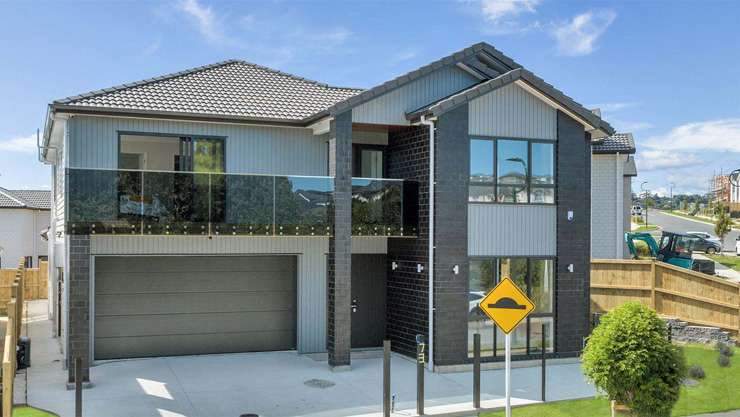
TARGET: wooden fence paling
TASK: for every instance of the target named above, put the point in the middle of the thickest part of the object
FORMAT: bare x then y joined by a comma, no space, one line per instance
687,295
8,369
35,285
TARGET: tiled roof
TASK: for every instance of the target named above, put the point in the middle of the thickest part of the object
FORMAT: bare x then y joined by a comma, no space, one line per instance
619,142
34,199
228,89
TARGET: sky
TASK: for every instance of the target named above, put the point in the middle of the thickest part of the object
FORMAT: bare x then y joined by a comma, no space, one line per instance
667,71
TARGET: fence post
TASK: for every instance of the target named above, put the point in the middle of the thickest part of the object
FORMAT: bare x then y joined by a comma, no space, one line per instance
420,374
476,370
78,387
653,278
386,378
544,367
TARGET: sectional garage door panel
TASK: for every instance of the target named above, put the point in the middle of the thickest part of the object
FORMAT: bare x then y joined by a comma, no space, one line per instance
165,305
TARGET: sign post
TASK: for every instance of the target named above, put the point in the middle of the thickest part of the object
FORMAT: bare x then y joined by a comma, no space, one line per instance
507,305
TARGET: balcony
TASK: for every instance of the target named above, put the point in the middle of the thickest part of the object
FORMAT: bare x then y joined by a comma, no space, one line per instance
135,202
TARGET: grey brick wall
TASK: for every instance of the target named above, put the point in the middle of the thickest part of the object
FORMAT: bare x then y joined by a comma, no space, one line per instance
339,276
451,239
573,237
407,300
78,282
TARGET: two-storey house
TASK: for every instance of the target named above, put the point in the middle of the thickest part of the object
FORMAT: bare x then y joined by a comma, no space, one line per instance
235,208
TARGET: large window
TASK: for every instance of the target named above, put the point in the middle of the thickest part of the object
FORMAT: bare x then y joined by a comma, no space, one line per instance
512,171
536,277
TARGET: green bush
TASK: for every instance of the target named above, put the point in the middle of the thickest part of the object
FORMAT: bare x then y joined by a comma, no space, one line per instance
723,361
642,248
629,358
724,349
696,372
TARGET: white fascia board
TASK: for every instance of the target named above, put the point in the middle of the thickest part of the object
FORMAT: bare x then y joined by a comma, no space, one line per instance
595,133
322,126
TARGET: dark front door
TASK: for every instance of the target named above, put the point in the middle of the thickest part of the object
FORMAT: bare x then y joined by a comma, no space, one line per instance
368,300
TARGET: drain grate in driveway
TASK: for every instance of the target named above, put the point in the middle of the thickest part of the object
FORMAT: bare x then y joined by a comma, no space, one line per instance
318,383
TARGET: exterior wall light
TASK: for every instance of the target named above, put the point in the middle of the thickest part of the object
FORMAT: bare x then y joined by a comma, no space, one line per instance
456,269
394,266
419,268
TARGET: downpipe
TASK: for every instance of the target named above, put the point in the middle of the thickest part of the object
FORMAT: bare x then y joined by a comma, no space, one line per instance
430,262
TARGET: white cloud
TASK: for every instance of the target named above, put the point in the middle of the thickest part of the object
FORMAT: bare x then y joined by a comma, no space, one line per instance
653,159
578,36
714,135
402,56
152,48
496,11
25,144
613,107
205,19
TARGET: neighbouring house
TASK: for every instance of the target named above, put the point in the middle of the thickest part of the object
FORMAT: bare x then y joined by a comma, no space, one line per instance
735,194
612,170
24,220
234,208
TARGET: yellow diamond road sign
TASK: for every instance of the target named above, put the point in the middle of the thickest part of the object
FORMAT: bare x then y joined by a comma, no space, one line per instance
506,305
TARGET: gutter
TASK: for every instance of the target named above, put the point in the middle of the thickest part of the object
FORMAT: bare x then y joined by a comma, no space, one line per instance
430,262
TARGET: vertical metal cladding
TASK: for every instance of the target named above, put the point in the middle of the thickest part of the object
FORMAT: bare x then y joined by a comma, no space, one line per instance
93,143
511,230
391,108
510,111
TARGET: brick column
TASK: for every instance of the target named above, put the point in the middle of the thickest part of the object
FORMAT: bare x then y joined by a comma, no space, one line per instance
573,237
78,288
339,274
451,238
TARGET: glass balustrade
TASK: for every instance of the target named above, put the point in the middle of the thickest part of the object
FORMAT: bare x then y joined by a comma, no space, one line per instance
186,203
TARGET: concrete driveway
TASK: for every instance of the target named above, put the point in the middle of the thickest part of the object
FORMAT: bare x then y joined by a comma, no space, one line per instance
268,384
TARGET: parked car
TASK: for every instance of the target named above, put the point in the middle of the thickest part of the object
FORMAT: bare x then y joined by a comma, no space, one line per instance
474,297
637,210
737,246
703,235
704,242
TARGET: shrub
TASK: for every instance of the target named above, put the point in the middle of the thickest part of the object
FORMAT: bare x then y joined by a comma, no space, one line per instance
724,349
642,248
723,361
696,372
629,358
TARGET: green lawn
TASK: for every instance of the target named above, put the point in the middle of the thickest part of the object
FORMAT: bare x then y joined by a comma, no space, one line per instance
26,411
717,392
646,228
728,261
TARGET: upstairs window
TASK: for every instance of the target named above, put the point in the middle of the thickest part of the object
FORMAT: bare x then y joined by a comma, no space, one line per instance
517,171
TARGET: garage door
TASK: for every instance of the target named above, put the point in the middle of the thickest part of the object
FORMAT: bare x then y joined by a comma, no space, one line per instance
177,305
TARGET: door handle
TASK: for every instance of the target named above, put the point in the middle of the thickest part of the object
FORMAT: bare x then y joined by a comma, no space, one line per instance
354,305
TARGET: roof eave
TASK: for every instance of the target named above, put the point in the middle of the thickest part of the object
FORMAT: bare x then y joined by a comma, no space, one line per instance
143,113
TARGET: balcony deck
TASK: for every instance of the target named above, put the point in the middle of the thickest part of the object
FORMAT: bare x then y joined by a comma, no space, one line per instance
136,202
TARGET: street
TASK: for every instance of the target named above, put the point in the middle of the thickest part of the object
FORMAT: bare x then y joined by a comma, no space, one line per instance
682,225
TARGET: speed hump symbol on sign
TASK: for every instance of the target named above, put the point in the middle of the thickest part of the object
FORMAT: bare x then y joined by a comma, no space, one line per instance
507,305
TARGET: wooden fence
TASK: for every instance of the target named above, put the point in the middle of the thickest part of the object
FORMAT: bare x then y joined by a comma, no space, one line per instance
671,291
35,285
12,334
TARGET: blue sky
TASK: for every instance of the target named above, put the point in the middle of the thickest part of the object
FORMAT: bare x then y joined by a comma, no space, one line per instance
667,71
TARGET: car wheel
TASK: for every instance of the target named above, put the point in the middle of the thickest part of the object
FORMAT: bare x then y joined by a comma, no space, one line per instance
711,251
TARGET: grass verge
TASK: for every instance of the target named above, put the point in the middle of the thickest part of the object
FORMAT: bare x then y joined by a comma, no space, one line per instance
26,411
715,393
732,262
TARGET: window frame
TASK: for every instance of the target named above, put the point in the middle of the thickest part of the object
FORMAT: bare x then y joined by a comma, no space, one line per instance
357,149
495,184
553,314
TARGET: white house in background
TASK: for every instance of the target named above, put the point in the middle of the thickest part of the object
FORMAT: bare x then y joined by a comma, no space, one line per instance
24,216
612,169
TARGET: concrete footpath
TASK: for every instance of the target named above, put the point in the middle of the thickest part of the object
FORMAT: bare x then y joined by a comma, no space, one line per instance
270,384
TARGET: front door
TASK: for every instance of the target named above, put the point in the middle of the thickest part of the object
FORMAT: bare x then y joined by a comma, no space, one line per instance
368,300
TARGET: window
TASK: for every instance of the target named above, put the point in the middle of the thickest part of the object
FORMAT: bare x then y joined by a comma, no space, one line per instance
368,161
482,180
536,276
512,171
